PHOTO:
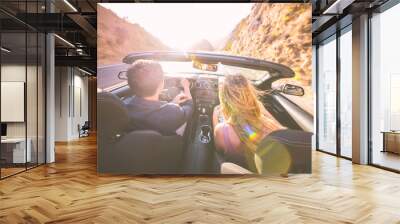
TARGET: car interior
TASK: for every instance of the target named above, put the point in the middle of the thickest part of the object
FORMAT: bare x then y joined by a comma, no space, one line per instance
148,152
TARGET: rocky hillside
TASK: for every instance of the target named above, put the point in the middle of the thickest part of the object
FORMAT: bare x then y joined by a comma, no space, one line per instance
118,37
276,32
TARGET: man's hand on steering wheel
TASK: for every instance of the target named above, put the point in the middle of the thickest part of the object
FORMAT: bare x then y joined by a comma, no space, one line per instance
186,88
180,98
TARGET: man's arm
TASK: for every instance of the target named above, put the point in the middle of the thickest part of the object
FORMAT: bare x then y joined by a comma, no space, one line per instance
174,116
186,88
187,108
178,112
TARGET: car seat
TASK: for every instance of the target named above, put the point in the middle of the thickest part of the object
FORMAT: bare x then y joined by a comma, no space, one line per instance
284,151
280,152
122,151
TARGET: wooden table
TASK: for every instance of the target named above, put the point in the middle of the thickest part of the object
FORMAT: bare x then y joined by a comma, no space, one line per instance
391,141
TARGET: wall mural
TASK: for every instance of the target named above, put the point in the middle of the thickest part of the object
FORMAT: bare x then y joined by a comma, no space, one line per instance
204,88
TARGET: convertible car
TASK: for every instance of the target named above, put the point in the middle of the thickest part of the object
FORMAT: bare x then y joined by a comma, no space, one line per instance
147,152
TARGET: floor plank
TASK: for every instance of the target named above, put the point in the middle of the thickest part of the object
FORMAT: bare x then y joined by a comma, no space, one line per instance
71,191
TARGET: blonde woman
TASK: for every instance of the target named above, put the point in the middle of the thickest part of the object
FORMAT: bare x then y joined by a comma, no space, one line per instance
241,121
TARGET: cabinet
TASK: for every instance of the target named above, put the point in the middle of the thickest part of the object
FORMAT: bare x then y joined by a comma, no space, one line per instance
391,141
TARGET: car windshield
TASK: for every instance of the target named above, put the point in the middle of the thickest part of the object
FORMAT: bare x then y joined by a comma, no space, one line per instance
184,68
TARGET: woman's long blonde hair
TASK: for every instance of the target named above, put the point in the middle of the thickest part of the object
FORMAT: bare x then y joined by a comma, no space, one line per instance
241,106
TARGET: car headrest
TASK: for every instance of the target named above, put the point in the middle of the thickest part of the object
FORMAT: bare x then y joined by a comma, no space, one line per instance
285,151
113,118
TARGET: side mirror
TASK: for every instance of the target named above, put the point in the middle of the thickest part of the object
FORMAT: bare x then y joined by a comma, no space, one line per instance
122,75
292,90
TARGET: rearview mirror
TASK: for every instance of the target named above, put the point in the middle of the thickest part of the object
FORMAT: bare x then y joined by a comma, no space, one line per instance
292,90
205,67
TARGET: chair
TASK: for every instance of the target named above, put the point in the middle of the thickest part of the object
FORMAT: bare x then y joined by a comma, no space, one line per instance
132,152
84,130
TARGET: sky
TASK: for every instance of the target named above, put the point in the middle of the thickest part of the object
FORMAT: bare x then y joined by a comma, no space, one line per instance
180,25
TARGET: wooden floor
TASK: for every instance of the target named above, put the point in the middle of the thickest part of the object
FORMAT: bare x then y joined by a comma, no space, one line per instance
70,191
5,172
387,159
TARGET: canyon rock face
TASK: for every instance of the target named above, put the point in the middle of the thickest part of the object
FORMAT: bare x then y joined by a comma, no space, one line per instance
276,32
279,33
118,37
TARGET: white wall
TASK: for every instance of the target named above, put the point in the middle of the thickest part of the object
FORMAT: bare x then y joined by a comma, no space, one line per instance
61,103
80,110
70,84
12,73
33,127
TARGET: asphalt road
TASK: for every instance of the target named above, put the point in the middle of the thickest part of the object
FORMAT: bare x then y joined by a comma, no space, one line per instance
107,76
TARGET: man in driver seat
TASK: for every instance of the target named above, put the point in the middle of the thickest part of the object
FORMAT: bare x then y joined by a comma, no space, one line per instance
147,112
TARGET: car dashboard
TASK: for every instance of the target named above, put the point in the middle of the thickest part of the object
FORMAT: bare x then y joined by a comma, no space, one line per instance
204,91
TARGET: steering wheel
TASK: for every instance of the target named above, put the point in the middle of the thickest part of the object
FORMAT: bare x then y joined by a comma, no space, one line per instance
171,91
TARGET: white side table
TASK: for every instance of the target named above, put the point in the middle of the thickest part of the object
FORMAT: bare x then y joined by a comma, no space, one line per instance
19,153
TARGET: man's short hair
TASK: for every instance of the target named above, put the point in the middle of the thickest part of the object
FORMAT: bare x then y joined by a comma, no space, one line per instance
144,77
